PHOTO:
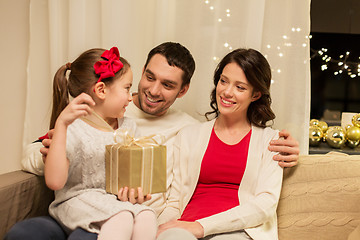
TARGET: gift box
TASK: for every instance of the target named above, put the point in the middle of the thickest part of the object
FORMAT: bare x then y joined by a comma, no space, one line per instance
135,166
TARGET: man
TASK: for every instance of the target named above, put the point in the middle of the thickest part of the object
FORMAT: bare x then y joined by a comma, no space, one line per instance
166,76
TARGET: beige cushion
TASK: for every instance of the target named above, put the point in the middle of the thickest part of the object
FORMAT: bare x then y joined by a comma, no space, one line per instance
320,198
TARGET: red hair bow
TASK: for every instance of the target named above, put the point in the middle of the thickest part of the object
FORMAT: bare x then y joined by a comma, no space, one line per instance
110,65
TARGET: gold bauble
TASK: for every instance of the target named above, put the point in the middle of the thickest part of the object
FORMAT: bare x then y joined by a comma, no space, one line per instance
353,133
314,122
315,135
348,126
352,144
336,137
323,125
356,120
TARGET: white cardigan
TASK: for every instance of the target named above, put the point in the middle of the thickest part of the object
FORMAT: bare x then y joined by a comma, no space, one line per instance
259,189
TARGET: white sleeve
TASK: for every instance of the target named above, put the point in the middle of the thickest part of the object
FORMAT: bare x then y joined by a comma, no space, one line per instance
172,209
32,159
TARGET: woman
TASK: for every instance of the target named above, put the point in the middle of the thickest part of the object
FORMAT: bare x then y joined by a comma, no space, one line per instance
228,186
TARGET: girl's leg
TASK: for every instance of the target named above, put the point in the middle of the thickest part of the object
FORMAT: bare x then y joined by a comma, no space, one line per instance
119,226
145,226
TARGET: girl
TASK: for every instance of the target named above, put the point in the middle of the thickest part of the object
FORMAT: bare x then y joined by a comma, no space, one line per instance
100,81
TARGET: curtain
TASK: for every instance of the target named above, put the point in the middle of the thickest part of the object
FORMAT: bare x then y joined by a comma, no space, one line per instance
60,30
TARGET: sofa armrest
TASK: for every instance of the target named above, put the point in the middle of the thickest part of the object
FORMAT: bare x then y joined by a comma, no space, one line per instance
320,198
22,195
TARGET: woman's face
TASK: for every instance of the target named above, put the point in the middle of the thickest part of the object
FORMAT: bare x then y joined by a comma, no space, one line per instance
234,93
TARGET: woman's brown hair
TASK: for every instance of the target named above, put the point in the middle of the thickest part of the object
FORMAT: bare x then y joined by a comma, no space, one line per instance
258,72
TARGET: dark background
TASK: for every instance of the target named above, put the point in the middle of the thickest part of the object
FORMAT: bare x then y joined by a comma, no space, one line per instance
335,25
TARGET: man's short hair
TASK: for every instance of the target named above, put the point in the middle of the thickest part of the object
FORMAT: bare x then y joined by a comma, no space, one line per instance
176,55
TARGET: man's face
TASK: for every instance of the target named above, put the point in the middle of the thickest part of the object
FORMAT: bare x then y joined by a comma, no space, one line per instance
159,86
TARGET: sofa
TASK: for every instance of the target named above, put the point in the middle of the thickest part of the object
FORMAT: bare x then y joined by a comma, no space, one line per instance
320,198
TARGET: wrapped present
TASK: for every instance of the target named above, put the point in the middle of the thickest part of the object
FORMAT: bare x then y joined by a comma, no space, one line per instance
139,163
132,162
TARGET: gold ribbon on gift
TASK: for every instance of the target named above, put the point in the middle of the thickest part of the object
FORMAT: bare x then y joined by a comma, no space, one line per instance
122,136
147,144
126,142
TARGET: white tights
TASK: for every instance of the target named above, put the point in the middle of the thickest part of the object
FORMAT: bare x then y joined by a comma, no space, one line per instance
123,226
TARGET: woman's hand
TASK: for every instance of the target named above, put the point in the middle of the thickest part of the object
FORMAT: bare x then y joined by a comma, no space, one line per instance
194,227
125,195
78,107
288,149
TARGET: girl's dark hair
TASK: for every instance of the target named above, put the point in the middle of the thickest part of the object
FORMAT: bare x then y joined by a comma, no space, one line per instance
258,72
81,79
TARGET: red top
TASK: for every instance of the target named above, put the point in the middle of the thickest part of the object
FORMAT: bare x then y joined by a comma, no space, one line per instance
222,169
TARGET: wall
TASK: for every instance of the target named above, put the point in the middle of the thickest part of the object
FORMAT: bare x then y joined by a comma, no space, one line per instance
14,51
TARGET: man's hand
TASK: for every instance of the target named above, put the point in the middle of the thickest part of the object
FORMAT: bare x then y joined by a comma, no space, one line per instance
46,143
194,227
126,195
288,149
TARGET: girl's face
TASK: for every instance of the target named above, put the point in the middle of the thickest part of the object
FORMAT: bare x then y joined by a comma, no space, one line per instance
118,96
234,93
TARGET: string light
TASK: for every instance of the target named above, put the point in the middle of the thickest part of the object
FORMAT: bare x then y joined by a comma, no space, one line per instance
220,19
352,68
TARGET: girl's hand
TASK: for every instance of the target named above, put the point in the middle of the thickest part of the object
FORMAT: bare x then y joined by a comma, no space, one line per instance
125,195
194,227
78,107
288,149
